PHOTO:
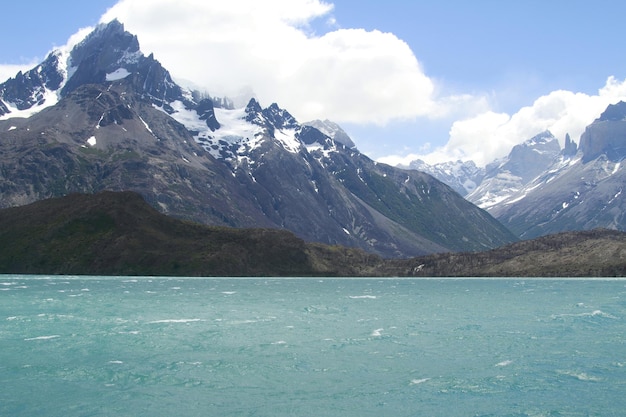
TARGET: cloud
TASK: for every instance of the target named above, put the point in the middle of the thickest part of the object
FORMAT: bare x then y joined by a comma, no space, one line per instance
490,135
10,70
347,75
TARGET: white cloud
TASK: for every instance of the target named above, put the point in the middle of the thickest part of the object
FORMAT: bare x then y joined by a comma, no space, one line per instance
10,70
347,75
489,135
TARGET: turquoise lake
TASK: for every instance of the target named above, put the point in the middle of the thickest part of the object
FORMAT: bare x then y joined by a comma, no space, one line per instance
131,346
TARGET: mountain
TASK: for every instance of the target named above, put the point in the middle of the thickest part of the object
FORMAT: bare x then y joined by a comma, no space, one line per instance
502,178
462,176
606,136
105,117
541,189
333,131
505,177
118,233
577,192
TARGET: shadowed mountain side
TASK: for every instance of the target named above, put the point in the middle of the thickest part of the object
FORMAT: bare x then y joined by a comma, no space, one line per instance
118,233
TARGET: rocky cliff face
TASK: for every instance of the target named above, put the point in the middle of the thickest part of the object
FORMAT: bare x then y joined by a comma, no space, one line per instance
606,135
113,119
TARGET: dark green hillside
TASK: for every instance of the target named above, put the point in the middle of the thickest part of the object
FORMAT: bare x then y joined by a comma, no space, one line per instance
119,234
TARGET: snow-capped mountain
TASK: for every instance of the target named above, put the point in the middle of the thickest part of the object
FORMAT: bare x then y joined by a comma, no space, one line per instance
578,191
104,116
540,188
333,131
462,176
504,178
500,179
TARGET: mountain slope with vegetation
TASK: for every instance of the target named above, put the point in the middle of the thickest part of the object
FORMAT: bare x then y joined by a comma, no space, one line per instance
592,253
118,233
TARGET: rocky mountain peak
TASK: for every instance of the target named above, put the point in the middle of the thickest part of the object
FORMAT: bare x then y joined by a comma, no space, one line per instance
253,112
280,118
102,56
30,88
111,54
332,130
529,159
270,118
505,177
462,176
109,44
570,147
108,54
606,135
614,113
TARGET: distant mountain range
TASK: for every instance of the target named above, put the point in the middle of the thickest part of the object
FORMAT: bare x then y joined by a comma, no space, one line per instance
103,116
540,189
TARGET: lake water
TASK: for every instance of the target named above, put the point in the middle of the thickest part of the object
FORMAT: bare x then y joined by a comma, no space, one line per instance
104,346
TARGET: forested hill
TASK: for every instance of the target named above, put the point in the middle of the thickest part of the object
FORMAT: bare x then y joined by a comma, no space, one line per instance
594,253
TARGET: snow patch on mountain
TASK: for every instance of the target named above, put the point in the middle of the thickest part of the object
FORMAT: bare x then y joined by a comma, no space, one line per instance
234,126
45,98
321,151
287,138
189,118
235,136
118,74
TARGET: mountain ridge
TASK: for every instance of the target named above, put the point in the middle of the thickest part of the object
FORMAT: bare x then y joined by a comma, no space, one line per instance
541,190
119,122
578,192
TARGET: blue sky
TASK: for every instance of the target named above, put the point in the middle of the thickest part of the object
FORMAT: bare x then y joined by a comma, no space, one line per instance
438,80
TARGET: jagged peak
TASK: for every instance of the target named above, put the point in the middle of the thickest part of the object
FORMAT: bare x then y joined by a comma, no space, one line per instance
253,112
107,30
272,117
570,147
333,130
280,118
105,38
253,106
542,138
613,113
32,89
